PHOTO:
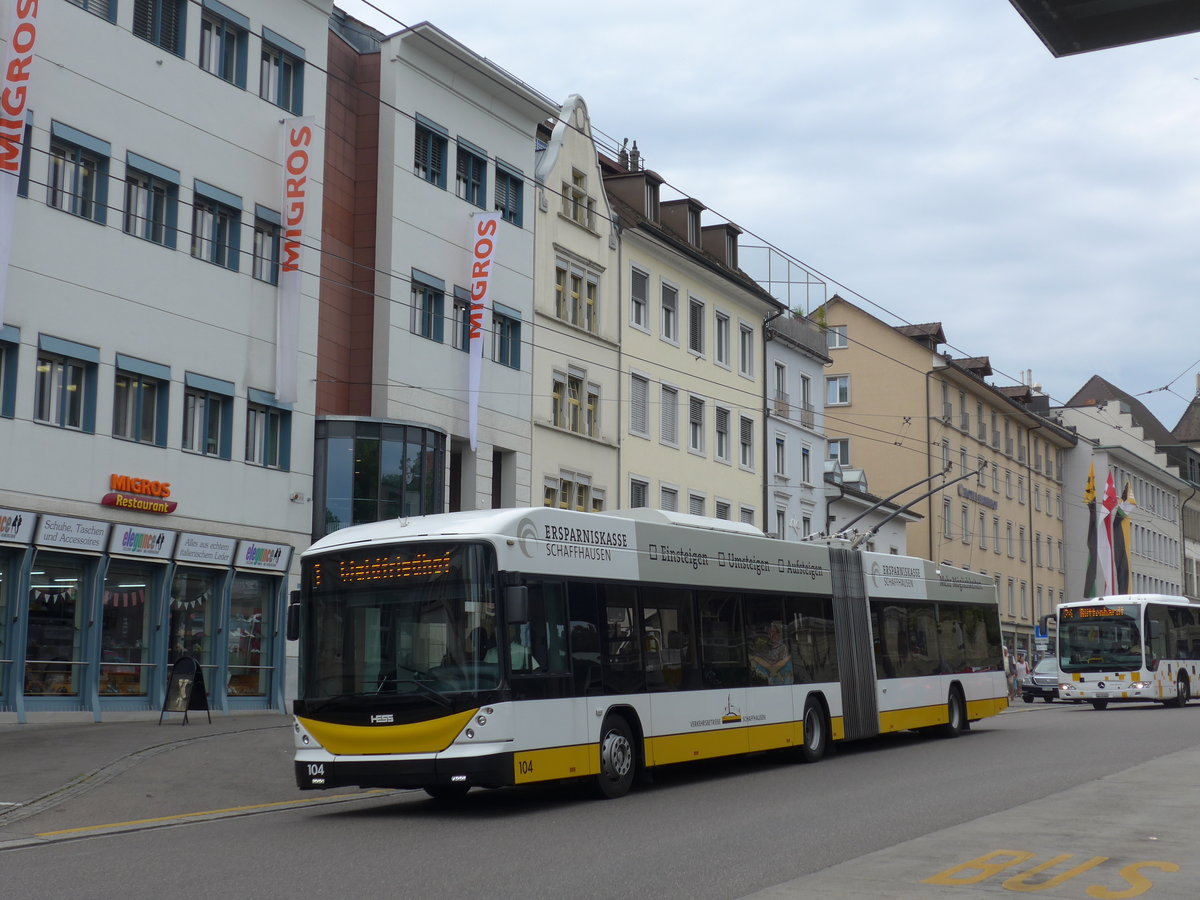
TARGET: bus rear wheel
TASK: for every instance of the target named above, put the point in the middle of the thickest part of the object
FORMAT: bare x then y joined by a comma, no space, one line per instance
618,761
816,732
956,715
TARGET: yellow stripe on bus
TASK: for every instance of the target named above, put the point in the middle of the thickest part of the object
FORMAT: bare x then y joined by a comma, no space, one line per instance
556,762
369,740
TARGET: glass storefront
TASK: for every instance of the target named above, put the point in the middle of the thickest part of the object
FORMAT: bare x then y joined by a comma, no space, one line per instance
58,596
7,580
195,594
126,664
249,630
369,471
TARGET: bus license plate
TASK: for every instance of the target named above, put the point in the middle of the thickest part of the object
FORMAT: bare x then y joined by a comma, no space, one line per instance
1101,694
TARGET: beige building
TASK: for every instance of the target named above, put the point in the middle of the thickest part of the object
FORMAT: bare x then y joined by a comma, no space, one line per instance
577,325
910,415
692,363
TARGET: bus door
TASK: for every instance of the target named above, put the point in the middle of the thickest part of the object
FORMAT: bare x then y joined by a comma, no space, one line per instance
725,673
769,711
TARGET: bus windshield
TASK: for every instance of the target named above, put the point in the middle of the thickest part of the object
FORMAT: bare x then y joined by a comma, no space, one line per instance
411,619
1099,639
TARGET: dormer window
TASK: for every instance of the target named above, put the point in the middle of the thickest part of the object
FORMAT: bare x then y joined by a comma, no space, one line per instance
731,250
693,227
651,200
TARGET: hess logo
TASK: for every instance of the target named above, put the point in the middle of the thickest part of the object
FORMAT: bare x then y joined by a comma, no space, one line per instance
382,719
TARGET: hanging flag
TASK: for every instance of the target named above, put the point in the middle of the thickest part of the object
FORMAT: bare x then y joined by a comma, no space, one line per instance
1122,542
297,166
1105,555
14,99
483,230
1089,500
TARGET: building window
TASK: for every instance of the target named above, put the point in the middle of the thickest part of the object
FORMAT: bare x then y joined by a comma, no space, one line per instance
575,295
781,455
268,431
65,387
995,534
669,416
835,337
223,43
10,342
696,504
837,390
746,348
1021,489
722,509
151,200
77,181
839,449
965,514
639,492
207,416
429,152
461,334
746,515
101,8
568,405
216,226
506,327
668,499
1021,543
806,466
721,339
947,522
591,411
695,325
281,72
746,435
140,393
266,245
161,22
510,189
428,299
696,424
982,531
639,290
721,416
470,179
670,313
639,405
576,204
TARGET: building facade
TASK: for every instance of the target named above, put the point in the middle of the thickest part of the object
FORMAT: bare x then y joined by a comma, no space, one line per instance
919,419
428,138
156,432
577,322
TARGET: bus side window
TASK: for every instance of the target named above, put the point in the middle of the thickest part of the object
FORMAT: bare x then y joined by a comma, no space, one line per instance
546,634
584,616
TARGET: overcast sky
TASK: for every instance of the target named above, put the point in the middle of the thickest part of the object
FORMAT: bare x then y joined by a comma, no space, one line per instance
929,158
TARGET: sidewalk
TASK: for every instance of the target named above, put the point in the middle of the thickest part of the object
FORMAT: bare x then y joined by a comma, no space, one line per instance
57,773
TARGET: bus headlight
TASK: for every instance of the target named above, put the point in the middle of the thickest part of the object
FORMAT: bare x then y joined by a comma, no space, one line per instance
1139,685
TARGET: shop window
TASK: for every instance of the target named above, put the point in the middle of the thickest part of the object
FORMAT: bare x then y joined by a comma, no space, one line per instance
207,416
281,72
249,635
192,623
53,645
65,386
126,630
268,431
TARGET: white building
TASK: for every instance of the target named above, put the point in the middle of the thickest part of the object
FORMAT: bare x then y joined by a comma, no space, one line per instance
153,487
452,137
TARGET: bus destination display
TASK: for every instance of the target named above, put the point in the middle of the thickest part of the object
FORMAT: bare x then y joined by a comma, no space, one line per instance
1080,613
374,569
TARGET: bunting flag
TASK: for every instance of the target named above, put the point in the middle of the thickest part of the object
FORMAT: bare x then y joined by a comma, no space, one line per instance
17,59
1089,500
1105,555
1123,543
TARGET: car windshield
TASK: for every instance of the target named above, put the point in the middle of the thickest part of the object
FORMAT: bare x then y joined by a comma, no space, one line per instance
1045,666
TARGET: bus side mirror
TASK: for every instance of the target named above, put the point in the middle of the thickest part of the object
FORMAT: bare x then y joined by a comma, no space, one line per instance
293,616
516,604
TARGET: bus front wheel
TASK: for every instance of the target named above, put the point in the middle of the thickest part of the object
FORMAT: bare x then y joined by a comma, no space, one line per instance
956,715
618,761
816,732
1183,692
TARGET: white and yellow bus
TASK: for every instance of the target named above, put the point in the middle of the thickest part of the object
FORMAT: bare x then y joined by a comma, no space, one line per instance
513,646
1134,648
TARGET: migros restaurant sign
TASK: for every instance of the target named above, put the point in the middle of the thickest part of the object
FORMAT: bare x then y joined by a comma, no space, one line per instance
140,494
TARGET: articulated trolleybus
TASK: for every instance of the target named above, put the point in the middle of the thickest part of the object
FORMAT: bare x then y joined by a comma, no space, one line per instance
513,646
1134,648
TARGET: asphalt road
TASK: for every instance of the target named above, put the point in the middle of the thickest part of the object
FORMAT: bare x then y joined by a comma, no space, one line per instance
719,830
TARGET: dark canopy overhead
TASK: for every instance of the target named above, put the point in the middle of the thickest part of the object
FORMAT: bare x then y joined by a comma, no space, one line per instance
1067,27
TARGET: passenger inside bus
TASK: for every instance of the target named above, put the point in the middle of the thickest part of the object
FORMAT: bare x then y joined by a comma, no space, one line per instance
518,651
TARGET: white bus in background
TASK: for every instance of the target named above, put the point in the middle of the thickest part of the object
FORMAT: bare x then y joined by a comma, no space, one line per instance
513,646
1135,648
